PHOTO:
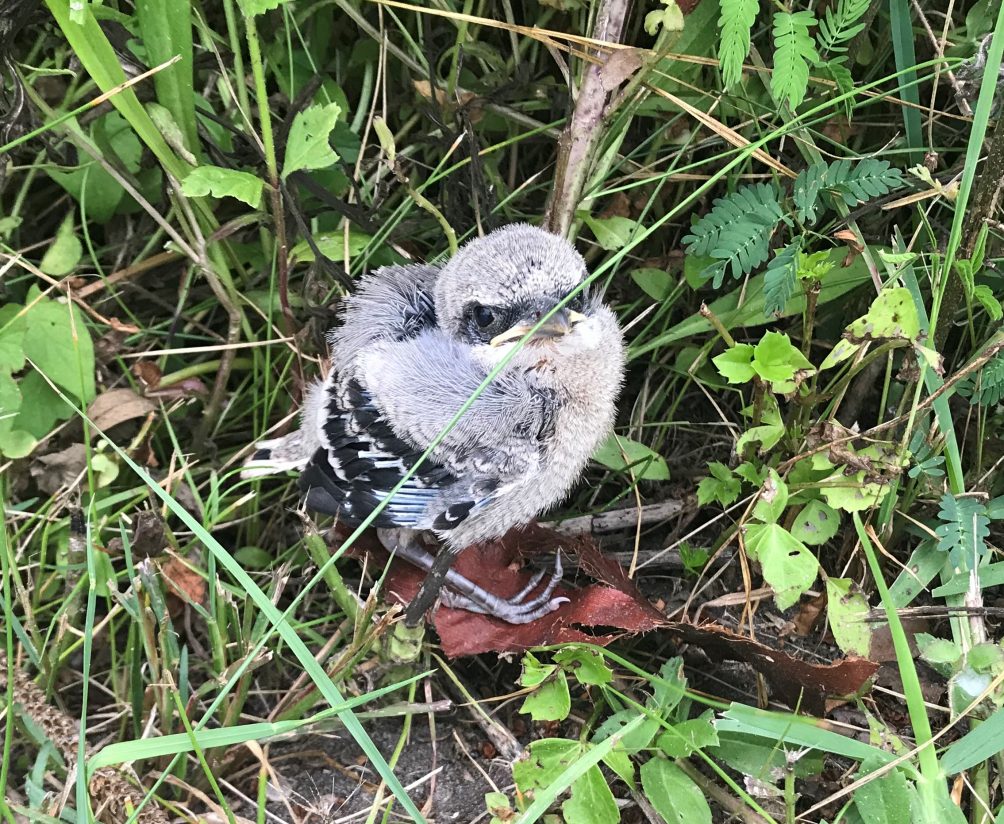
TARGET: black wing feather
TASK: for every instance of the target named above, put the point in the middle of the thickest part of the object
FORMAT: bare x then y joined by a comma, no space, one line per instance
364,461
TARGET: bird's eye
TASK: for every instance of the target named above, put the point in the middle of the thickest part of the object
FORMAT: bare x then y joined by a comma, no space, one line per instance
483,316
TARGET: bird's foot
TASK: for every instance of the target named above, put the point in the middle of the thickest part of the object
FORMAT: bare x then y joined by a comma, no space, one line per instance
514,610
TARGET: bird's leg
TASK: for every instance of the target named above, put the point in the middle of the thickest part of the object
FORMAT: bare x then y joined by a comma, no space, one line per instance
513,610
463,593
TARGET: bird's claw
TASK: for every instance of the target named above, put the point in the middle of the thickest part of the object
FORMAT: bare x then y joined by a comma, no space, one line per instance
514,610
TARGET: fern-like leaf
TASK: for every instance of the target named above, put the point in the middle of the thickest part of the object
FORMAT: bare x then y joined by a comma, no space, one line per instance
736,231
780,279
861,181
736,21
837,67
794,50
808,185
853,183
840,24
963,530
986,388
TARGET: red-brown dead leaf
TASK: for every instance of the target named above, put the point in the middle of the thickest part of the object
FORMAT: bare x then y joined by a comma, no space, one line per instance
605,610
183,585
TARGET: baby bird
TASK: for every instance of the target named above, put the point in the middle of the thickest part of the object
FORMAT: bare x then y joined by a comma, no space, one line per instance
415,343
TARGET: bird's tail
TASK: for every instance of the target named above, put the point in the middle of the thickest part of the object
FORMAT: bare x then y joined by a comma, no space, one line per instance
275,456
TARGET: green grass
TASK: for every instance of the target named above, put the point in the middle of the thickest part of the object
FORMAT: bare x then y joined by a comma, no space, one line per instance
210,306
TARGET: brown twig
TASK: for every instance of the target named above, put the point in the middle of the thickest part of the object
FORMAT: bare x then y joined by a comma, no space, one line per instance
578,143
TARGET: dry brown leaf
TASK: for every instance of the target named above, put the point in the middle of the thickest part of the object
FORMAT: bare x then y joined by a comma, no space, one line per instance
116,406
58,470
619,66
147,373
463,99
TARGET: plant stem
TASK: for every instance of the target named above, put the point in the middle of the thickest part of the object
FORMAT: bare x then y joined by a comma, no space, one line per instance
272,164
578,143
921,724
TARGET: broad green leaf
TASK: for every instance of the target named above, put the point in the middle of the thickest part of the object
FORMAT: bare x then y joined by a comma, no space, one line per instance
89,184
777,361
251,8
41,407
612,233
767,434
885,799
735,364
722,486
587,665
550,701
498,806
58,342
14,443
944,656
165,28
656,283
986,657
575,762
979,744
787,730
848,612
850,493
924,563
544,761
669,18
332,245
620,762
308,144
534,671
687,736
591,801
64,254
984,295
386,138
640,735
816,523
893,314
670,687
219,182
624,454
772,500
673,793
841,351
12,326
106,470
786,563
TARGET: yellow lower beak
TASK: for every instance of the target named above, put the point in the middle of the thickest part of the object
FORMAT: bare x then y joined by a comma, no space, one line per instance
558,325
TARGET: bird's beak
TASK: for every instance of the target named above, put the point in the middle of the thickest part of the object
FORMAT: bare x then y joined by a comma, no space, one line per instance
558,325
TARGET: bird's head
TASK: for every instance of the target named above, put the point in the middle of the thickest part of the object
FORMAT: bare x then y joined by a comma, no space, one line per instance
498,287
